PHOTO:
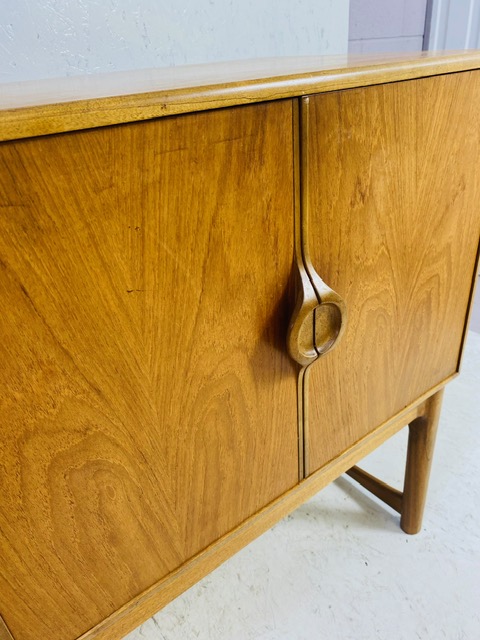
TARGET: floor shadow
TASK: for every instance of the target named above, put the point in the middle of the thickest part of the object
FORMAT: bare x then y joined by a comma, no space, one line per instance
373,514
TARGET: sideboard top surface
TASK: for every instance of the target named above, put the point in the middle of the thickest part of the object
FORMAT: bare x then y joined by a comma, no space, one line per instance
58,105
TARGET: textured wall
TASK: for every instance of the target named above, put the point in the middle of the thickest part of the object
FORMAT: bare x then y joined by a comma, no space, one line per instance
379,26
48,38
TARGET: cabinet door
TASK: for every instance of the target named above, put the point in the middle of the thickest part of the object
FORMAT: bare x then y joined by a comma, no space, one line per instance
147,403
392,204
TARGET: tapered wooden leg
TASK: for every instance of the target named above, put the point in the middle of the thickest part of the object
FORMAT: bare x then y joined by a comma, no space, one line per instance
421,442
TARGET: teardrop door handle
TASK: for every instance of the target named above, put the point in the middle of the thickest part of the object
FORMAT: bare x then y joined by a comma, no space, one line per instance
318,319
320,314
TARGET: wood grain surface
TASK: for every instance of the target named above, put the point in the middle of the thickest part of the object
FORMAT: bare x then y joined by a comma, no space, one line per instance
147,402
65,104
393,226
154,598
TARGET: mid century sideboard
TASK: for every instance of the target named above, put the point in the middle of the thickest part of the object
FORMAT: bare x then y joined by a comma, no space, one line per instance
180,251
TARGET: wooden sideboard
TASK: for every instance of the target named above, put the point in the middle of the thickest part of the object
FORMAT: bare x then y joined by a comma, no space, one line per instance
180,250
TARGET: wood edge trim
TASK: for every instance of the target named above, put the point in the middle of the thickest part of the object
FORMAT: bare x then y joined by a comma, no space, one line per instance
161,593
5,631
61,117
297,249
300,425
297,178
473,288
306,422
305,117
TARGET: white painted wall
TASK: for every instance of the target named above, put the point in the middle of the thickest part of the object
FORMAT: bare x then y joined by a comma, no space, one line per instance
49,38
381,26
453,24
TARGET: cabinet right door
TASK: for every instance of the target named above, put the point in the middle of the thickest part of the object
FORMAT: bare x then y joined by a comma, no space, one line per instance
392,206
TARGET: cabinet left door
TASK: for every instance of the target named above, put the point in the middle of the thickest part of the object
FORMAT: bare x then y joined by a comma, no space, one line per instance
147,404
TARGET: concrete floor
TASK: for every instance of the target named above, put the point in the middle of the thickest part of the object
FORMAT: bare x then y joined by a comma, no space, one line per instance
340,568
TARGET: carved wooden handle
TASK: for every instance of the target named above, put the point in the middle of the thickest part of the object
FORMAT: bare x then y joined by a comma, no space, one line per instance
318,319
320,314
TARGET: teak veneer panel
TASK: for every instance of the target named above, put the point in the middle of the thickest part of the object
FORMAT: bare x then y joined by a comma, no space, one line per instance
153,599
391,212
148,404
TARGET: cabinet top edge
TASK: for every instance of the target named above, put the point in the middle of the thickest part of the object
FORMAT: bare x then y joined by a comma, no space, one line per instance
42,107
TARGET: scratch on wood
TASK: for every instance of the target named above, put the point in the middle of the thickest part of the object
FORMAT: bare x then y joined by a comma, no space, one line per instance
57,342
